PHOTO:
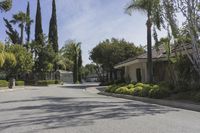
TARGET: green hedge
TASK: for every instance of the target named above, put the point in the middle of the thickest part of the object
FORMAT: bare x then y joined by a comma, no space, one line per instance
43,82
47,82
3,83
19,83
140,89
30,82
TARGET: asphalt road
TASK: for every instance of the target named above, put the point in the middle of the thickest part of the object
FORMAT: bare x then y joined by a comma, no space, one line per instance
73,110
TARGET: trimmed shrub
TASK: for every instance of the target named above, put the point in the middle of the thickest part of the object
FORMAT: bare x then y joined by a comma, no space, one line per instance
111,88
51,82
47,82
19,83
145,90
42,83
155,87
140,89
158,93
122,90
57,82
31,82
137,90
3,83
130,91
139,85
130,86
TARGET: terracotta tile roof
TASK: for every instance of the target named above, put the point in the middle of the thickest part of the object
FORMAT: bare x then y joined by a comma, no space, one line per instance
156,54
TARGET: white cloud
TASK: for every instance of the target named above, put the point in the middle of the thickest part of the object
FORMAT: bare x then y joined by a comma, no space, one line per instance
92,21
89,21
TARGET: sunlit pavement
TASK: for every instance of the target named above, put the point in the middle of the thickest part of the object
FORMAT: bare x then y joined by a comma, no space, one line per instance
72,110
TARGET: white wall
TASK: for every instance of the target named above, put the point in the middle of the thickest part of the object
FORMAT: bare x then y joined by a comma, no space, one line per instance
130,71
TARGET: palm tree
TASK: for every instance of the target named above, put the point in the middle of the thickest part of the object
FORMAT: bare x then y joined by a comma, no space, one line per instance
21,19
5,5
76,49
153,10
72,51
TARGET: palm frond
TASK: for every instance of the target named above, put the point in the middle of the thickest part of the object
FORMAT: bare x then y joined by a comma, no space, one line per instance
5,5
138,5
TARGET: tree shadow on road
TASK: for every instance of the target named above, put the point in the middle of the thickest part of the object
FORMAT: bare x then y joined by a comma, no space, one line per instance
59,112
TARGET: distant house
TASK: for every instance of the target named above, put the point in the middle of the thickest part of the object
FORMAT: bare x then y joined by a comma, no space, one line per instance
92,78
135,69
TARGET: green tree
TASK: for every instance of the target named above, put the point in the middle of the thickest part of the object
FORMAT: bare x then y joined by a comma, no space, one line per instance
12,34
29,21
89,69
45,57
5,5
38,24
108,53
6,57
63,63
39,46
53,33
2,57
21,19
24,60
153,10
72,51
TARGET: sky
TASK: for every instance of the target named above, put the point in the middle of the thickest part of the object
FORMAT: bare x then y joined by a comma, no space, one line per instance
86,21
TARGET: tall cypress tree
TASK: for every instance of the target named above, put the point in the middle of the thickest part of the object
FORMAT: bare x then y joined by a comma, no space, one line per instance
53,33
28,23
39,41
80,66
38,24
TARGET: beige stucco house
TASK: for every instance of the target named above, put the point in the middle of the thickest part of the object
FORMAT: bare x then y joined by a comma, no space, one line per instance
136,68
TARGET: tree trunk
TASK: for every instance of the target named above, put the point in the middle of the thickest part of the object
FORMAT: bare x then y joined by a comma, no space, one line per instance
75,70
111,74
22,34
149,52
107,76
115,74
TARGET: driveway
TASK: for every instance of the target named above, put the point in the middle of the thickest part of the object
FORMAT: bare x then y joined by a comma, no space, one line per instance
74,110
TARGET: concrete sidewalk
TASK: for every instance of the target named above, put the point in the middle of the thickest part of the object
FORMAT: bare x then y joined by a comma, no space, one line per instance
83,85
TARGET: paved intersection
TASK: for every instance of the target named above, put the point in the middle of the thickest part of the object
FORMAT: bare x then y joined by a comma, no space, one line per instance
73,110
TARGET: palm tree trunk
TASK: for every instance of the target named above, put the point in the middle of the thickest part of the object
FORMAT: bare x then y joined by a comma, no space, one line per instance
149,52
22,34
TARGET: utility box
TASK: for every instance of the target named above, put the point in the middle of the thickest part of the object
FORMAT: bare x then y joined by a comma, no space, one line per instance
11,83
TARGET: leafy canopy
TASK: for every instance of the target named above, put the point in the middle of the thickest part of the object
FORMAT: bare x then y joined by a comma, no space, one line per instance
24,59
110,52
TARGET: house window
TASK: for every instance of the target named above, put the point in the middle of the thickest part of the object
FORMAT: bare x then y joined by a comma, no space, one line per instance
138,75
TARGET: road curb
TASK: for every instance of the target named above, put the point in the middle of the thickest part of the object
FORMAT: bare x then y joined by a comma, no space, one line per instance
9,90
175,104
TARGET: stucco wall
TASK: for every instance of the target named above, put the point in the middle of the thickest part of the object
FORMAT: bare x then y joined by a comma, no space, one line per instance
130,71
